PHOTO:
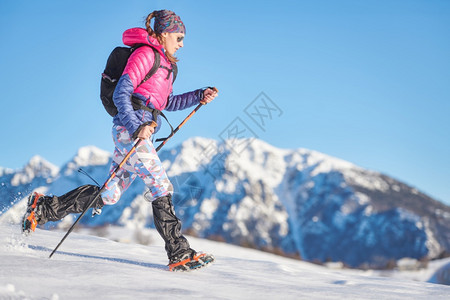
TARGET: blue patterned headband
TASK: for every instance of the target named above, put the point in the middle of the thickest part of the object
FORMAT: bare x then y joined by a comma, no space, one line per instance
168,21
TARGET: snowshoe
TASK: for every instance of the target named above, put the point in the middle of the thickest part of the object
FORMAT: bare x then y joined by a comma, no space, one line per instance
30,221
190,261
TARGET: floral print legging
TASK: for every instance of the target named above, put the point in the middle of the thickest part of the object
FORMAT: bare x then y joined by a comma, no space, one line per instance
144,162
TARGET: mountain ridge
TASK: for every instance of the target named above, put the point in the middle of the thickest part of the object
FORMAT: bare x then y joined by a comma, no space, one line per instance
295,202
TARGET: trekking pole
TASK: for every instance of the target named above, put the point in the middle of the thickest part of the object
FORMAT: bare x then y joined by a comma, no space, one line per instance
182,123
114,173
120,166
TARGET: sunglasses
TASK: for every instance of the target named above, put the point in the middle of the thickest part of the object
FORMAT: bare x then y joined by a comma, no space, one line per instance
180,38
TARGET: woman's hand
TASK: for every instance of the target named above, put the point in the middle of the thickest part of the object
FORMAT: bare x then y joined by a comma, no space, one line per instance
146,131
208,95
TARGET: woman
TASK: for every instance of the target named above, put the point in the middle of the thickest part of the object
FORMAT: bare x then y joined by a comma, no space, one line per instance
155,94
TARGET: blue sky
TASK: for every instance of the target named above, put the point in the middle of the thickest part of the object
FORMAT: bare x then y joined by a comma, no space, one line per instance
364,81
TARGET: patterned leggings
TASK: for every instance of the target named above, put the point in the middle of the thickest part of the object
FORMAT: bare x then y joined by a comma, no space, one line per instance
144,162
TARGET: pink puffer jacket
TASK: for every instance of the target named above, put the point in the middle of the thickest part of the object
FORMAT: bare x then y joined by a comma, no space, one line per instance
158,88
156,92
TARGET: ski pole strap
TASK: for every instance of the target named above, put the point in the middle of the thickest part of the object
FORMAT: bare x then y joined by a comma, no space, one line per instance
178,127
171,128
137,104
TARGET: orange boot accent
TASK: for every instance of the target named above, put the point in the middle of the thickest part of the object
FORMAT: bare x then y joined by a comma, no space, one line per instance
179,263
32,221
196,257
32,218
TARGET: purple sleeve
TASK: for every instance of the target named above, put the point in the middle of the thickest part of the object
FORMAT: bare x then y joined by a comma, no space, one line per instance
121,98
183,101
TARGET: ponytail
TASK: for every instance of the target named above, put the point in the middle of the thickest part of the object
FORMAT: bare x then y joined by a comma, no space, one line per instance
148,26
159,37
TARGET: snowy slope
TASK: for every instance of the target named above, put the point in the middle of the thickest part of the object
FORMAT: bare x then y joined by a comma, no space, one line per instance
89,267
296,202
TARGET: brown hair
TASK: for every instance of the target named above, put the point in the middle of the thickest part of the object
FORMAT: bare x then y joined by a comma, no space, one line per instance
158,36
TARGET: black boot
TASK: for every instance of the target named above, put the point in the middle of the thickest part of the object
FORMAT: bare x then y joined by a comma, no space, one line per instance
169,227
41,209
76,201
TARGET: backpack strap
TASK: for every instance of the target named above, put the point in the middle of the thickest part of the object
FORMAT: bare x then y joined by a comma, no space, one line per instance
155,66
174,71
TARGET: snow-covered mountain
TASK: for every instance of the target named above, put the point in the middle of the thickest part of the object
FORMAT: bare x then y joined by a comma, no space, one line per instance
299,203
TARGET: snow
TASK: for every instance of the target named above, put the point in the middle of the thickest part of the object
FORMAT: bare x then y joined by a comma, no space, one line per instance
91,155
87,156
432,243
265,197
188,158
36,167
5,171
88,266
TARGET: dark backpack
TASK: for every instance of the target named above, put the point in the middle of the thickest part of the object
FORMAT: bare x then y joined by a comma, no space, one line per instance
115,65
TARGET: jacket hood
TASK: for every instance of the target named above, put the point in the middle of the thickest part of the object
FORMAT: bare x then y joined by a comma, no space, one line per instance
137,35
